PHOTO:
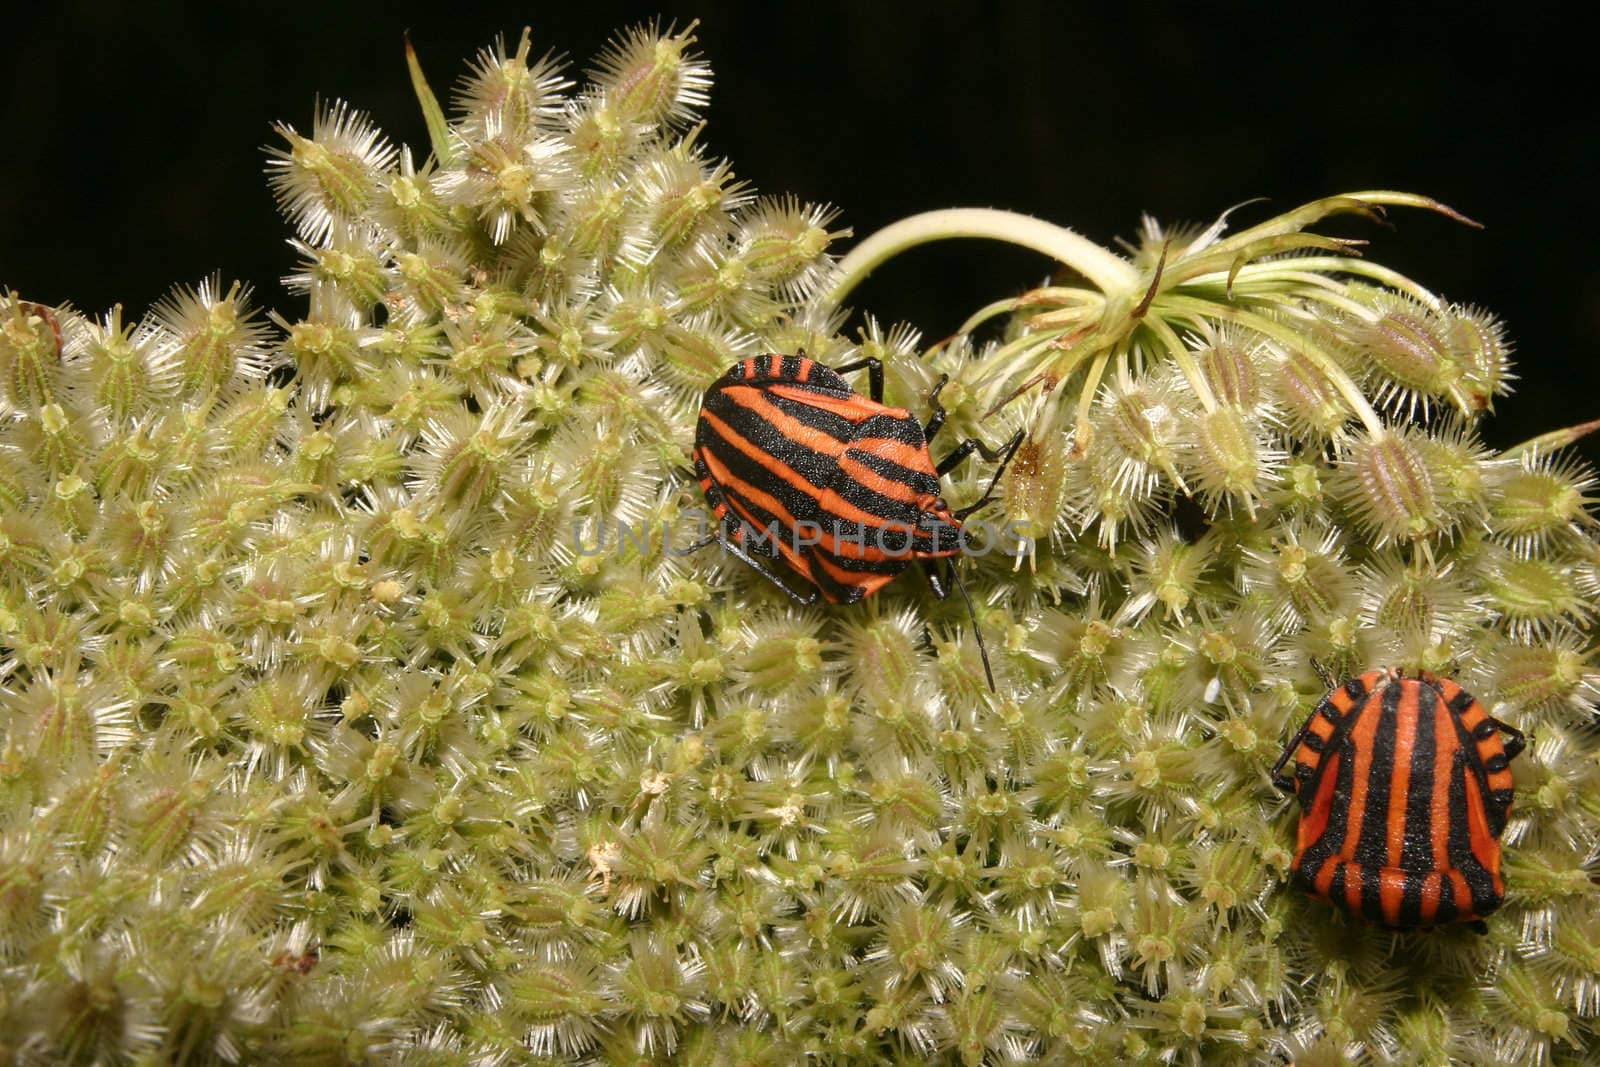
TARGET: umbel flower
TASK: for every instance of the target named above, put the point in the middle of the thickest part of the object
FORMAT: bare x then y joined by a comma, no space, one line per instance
357,703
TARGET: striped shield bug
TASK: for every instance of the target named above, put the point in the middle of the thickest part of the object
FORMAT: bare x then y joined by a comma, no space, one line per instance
1404,789
802,470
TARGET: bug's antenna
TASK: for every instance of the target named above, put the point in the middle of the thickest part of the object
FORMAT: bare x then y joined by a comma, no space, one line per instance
977,631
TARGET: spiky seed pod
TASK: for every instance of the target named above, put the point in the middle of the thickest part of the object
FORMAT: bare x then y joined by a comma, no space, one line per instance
434,275
1539,501
1033,494
637,319
1300,489
1157,777
1226,878
1163,936
881,661
14,492
1167,571
782,652
84,818
1101,903
1538,1022
1232,655
131,365
1420,613
1549,677
1228,462
217,339
682,196
1312,406
1408,345
1389,489
354,261
31,352
407,204
328,353
57,440
717,279
782,241
506,93
598,219
1570,964
1537,597
897,347
1144,418
64,722
561,1001
1097,496
507,183
602,138
1428,1033
484,359
1230,364
652,78
71,503
462,460
1477,341
1461,468
1303,575
1083,651
917,948
331,176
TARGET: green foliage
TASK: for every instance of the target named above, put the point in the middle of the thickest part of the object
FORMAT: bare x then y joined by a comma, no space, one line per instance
326,735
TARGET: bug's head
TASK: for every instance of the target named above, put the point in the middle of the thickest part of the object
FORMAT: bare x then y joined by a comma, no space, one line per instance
938,530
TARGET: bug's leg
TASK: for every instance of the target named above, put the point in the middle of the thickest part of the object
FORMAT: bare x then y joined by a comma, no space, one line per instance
935,410
874,375
1329,682
961,452
1283,781
966,448
1515,740
740,553
936,584
714,497
1479,927
977,631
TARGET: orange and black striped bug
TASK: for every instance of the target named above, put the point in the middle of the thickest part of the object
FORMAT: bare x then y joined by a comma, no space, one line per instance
836,486
1404,789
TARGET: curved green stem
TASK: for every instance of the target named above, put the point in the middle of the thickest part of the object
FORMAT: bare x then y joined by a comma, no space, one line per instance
1104,268
1181,356
1342,265
1304,286
1091,385
987,312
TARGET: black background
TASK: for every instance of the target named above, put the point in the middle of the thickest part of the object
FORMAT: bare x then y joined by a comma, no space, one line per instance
130,148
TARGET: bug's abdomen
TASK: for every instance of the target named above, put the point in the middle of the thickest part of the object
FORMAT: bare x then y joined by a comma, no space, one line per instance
1403,800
